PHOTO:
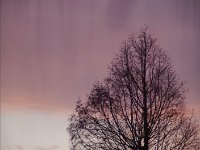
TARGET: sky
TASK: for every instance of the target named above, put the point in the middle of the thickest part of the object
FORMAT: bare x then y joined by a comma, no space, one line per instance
52,51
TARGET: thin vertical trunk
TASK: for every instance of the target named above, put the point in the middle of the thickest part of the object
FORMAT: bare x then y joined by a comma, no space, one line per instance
146,137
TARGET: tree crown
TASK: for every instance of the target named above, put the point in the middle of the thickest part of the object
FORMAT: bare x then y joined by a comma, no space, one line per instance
139,106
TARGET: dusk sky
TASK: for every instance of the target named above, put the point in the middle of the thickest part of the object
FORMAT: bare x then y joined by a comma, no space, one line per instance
52,51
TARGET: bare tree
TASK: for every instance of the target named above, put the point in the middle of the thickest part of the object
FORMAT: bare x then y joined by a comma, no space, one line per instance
139,106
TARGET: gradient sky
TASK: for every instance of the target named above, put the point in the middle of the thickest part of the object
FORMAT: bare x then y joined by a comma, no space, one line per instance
53,51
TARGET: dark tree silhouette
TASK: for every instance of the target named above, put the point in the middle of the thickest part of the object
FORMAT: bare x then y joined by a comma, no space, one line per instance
139,106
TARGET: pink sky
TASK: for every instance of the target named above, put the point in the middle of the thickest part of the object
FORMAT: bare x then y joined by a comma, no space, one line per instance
53,51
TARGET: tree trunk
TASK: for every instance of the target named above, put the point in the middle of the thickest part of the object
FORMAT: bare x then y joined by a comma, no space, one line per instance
146,140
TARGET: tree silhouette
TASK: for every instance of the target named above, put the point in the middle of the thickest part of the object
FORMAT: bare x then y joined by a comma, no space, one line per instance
139,106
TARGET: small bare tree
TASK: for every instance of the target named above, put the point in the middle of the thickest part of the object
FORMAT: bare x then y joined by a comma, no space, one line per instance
139,106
